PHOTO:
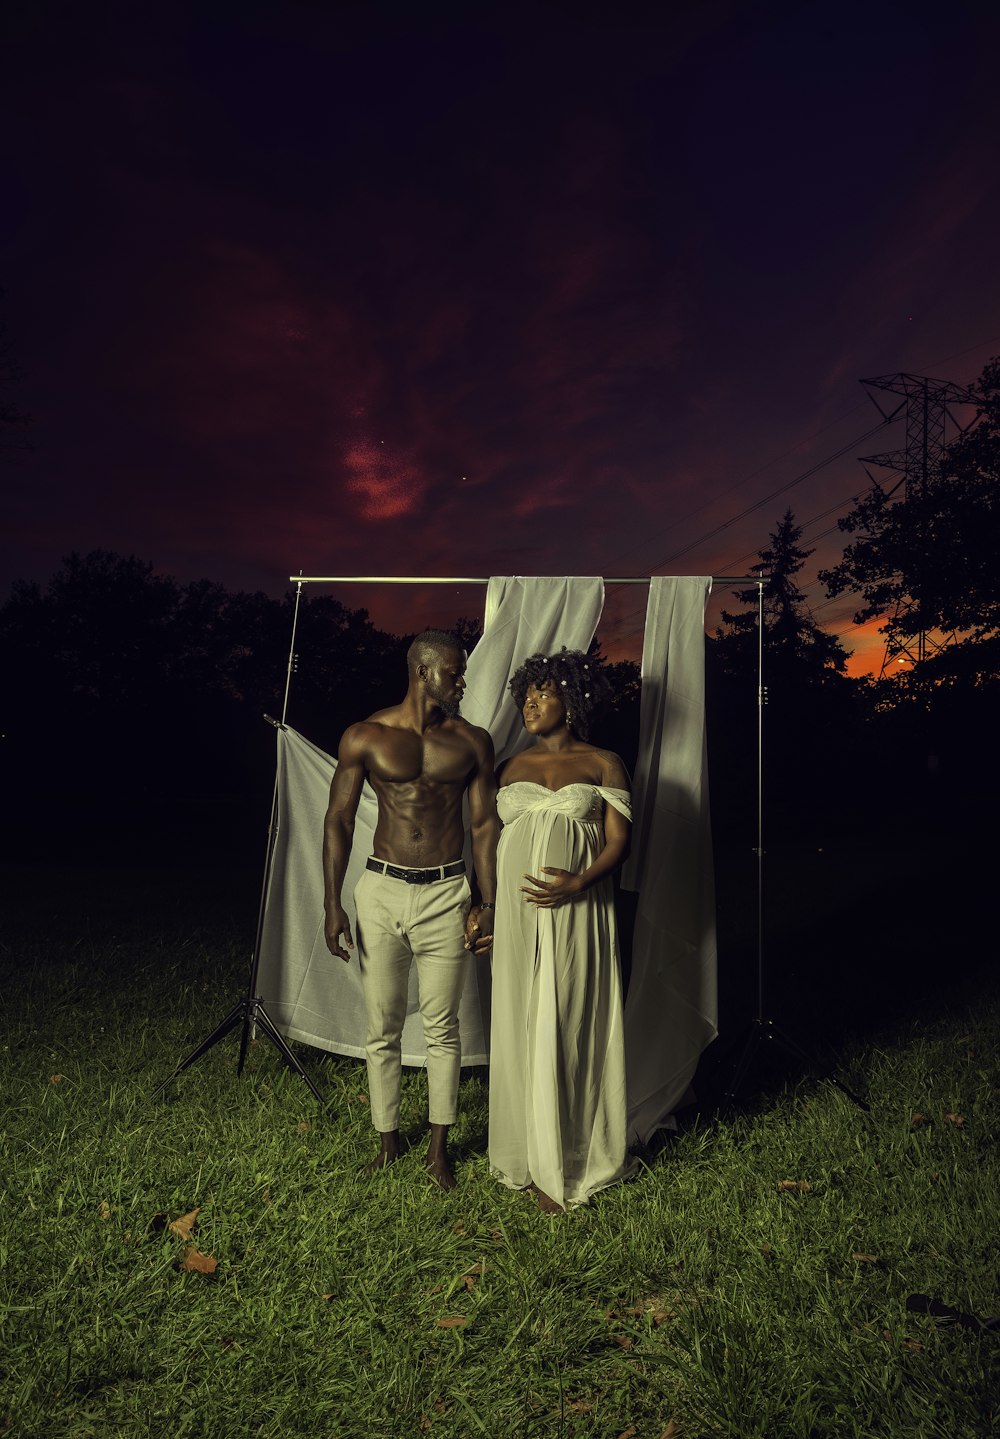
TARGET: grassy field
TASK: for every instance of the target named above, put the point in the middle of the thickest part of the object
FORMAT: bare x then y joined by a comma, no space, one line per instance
751,1281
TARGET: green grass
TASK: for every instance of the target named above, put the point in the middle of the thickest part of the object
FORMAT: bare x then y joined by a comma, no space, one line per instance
699,1294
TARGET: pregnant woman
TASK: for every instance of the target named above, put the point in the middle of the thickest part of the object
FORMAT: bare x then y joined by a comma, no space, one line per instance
557,1061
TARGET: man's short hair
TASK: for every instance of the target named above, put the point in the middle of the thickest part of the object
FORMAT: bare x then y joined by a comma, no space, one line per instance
430,645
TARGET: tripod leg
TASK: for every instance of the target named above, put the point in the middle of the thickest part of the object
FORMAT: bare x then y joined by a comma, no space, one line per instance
742,1069
263,1019
219,1032
790,1047
249,1019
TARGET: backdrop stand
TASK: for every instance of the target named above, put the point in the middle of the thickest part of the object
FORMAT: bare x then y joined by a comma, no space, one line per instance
250,1011
762,1030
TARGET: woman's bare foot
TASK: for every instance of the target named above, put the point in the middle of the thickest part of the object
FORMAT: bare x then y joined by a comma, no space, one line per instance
546,1203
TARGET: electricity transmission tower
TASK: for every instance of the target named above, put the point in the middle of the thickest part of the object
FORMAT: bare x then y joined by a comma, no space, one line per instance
928,415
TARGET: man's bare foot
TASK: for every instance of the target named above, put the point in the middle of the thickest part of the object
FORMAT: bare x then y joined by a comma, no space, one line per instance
388,1154
439,1170
437,1162
546,1203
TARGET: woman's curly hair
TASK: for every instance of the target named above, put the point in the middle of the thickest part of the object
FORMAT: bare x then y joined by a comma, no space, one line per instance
582,684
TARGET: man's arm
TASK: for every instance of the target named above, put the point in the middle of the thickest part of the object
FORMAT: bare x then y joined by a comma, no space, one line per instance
484,825
338,834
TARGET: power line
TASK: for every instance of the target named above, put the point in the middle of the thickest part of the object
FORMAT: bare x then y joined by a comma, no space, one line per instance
766,465
807,474
848,499
782,489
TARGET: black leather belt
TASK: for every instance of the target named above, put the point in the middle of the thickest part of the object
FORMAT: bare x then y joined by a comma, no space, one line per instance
416,876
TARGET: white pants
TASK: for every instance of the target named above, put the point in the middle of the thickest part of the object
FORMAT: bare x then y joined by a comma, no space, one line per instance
398,923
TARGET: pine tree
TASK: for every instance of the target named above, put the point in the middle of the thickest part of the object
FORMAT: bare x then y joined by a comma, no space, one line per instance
797,649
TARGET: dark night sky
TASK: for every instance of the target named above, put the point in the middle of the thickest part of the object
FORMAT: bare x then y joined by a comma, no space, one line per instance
484,289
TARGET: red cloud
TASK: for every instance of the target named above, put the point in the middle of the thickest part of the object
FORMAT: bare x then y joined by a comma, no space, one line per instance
387,488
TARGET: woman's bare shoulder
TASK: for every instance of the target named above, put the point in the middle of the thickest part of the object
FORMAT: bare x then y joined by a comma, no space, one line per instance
614,775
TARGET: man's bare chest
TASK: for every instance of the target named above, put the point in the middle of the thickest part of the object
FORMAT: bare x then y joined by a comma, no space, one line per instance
403,758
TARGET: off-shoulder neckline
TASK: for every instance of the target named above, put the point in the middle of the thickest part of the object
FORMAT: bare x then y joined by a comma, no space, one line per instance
573,784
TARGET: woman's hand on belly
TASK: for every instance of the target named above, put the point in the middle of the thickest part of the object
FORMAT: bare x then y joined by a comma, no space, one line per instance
549,894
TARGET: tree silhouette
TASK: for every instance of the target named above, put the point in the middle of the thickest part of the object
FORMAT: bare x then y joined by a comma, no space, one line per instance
928,563
135,702
810,707
798,649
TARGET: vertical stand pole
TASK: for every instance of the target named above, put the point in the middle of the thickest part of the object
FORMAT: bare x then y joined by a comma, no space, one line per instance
250,1009
762,1029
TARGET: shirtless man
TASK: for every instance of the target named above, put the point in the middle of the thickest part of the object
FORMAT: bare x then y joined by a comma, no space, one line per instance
412,901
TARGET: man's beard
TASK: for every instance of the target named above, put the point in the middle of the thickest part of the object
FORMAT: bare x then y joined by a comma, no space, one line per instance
448,704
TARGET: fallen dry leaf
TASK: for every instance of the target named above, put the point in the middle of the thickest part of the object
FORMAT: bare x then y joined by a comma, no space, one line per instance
912,1344
458,1227
672,1430
105,1209
624,1341
451,1321
471,1276
657,1313
303,1126
194,1259
958,1120
917,1119
860,1258
580,1406
363,1099
184,1227
802,1185
628,1433
56,1078
331,1295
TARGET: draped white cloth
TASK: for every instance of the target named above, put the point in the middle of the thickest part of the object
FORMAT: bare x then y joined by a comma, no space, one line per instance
310,994
671,1010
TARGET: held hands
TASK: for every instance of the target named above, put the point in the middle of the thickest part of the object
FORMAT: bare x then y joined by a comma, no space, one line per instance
338,924
479,930
549,894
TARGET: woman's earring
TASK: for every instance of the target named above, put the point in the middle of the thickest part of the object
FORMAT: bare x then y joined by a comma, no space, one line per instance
569,718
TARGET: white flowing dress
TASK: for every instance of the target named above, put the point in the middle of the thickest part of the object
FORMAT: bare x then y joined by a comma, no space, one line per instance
557,1054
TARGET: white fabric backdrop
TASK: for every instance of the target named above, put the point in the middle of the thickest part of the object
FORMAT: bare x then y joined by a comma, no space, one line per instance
313,996
670,1010
670,1013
